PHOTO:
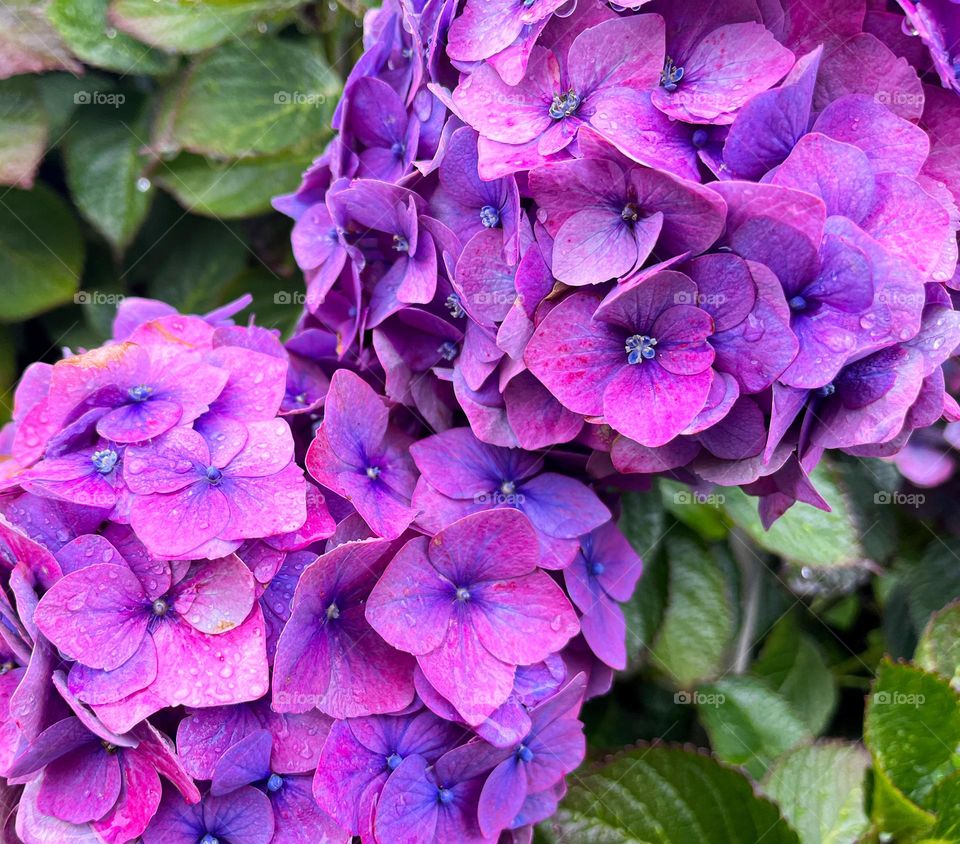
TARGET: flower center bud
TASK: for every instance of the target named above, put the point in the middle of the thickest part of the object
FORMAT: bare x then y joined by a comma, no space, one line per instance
140,393
639,348
597,568
209,839
393,761
109,748
373,472
564,105
508,487
797,304
524,753
333,611
490,216
398,149
630,213
445,796
400,243
826,390
159,607
670,76
274,782
463,594
6,668
104,460
448,350
454,306
214,475
700,138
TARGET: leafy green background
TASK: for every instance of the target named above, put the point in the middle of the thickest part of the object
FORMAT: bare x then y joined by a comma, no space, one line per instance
796,685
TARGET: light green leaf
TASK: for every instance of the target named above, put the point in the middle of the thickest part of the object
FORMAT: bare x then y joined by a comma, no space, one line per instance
749,724
8,373
939,647
659,795
804,534
946,801
23,131
28,42
258,97
913,729
703,512
792,665
41,253
894,815
105,169
84,28
189,26
231,189
643,521
819,789
699,619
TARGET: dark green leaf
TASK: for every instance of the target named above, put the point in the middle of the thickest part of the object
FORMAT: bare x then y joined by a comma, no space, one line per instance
913,729
934,581
231,189
258,97
699,619
703,512
105,169
83,26
41,253
939,647
189,26
23,131
819,788
658,795
749,724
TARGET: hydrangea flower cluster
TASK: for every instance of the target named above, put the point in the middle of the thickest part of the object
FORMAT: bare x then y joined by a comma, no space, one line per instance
554,249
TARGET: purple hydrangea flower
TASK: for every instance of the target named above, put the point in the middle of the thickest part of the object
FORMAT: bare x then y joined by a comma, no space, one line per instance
472,605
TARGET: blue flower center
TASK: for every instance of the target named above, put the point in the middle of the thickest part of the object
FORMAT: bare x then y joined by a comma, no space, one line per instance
490,216
214,475
463,594
797,304
826,390
275,782
564,105
373,472
639,348
597,568
524,753
400,243
630,213
445,796
528,3
209,839
448,350
393,761
398,148
508,487
160,607
670,76
104,460
140,393
454,306
333,611
700,138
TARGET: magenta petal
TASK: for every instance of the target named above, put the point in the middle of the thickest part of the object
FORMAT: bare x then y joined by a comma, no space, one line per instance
299,820
98,615
176,524
595,245
133,423
137,803
216,595
82,785
96,686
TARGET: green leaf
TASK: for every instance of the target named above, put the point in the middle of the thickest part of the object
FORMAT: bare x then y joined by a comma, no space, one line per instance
643,522
271,310
819,788
8,373
192,264
939,647
934,581
29,43
699,619
913,729
804,534
893,814
749,724
41,253
105,169
189,26
871,486
258,97
659,795
946,801
792,665
231,189
84,28
23,131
